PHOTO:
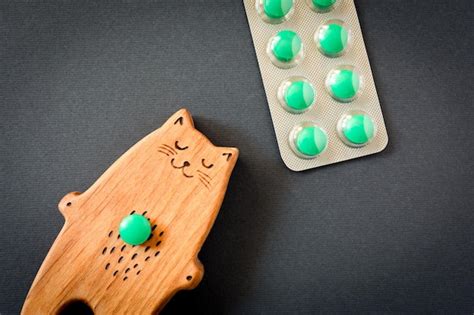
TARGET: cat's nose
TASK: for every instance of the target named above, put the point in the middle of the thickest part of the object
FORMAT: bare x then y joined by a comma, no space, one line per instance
186,163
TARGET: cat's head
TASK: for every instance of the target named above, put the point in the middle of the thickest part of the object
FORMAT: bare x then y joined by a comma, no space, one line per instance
190,155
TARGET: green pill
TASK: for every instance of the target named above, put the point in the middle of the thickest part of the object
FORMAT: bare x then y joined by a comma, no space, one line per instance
344,83
299,96
308,140
323,5
277,9
356,129
332,38
135,229
286,46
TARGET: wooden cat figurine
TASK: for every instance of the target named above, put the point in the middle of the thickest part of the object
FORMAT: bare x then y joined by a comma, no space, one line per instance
176,178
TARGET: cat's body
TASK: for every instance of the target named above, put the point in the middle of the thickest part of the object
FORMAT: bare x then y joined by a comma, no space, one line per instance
179,178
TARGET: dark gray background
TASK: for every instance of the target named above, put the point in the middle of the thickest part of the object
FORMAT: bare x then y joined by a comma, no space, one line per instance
81,82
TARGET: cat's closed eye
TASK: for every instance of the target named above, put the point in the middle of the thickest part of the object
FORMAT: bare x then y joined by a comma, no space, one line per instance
179,147
203,162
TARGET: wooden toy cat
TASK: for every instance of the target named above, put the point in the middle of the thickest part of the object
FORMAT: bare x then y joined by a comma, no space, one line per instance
177,179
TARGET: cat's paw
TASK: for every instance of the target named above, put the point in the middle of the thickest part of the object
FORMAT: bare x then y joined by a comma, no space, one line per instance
192,275
66,205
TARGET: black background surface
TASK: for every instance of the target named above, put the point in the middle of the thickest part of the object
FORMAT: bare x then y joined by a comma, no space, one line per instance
81,82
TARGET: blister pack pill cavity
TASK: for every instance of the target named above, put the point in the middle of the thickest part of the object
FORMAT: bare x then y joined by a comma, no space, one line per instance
317,79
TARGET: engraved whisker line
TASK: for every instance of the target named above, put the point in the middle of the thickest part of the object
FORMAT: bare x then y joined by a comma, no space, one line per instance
170,147
204,174
204,183
206,180
163,152
167,150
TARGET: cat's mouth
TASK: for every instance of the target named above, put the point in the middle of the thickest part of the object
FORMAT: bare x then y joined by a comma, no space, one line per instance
182,168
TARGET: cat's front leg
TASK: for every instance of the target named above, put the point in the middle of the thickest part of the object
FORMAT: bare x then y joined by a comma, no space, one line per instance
68,204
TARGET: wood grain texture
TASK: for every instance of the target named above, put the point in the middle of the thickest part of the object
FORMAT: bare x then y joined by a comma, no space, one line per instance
174,176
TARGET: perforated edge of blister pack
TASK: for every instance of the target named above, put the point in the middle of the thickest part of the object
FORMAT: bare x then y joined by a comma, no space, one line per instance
326,112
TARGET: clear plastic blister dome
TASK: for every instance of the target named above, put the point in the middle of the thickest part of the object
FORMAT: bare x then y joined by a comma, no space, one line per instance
285,49
333,38
296,95
344,83
308,140
323,6
356,128
275,11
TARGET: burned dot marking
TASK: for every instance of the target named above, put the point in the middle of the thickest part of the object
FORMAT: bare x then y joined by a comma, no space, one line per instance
153,227
148,257
157,253
125,278
112,249
104,250
115,272
162,232
110,233
132,212
138,272
120,259
158,243
123,247
135,266
107,266
147,248
127,270
189,278
134,256
144,212
149,237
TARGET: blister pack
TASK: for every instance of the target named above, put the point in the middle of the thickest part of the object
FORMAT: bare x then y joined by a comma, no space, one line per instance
317,79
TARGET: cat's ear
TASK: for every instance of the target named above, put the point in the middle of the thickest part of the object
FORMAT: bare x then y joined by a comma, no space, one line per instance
229,154
181,119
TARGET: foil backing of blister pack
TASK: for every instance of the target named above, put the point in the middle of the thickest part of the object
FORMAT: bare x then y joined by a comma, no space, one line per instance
326,111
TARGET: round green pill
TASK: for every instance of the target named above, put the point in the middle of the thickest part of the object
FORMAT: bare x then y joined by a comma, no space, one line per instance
285,47
323,5
332,38
135,229
299,96
308,140
356,128
277,9
344,83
